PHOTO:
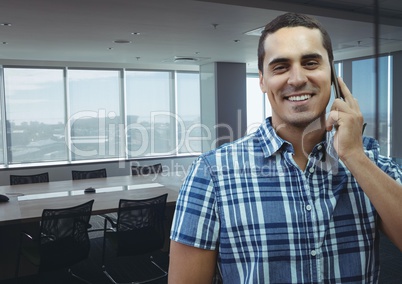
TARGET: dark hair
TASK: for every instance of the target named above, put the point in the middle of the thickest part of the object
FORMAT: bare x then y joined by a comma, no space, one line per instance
289,20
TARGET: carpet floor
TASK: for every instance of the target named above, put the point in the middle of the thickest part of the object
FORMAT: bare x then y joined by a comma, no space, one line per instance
134,268
138,268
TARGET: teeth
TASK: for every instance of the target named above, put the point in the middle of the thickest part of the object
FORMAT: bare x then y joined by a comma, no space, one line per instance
299,98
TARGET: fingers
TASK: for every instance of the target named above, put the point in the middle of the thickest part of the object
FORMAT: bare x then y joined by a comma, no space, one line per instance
332,120
339,118
346,117
346,110
347,95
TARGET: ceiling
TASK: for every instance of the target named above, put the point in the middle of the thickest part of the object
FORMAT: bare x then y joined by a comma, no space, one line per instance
81,33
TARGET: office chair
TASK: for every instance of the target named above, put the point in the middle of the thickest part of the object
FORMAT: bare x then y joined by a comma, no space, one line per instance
100,173
95,224
146,170
138,231
25,179
62,240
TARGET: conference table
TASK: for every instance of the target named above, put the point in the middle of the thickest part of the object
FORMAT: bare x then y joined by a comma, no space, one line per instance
26,203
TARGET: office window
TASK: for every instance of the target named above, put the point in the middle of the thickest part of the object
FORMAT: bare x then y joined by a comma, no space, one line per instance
1,131
150,119
2,120
384,104
188,112
258,106
1,144
364,89
35,115
58,114
95,114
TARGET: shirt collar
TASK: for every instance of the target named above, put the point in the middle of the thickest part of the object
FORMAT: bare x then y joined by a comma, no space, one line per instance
270,141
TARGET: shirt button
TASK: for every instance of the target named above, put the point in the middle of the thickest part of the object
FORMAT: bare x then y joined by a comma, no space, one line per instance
311,170
319,147
313,253
308,207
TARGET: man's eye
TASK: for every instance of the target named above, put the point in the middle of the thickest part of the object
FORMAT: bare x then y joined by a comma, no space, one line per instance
279,68
311,64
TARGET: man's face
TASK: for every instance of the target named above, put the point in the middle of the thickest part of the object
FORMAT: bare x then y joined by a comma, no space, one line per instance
297,76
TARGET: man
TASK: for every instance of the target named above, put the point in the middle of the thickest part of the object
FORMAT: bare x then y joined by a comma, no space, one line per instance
300,200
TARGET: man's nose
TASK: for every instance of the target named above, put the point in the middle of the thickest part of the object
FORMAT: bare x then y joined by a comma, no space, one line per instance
297,76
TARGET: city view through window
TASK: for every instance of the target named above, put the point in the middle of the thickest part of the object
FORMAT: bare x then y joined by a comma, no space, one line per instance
94,117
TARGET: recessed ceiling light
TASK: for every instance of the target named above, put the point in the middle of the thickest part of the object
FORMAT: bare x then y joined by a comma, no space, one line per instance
122,41
185,59
6,24
135,33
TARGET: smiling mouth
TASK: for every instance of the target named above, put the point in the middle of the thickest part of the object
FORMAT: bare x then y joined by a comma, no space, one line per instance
299,98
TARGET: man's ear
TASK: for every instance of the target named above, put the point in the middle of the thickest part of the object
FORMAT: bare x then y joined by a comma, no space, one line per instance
262,84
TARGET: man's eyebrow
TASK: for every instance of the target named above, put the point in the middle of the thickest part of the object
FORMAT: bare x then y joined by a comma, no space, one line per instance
304,57
312,56
278,60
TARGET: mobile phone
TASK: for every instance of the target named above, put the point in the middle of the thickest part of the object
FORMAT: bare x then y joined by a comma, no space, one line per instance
338,94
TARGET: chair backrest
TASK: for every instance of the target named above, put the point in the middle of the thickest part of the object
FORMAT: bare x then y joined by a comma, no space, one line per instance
64,238
100,173
24,179
141,225
146,170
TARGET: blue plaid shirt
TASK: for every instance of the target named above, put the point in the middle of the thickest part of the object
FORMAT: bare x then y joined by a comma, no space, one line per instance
272,222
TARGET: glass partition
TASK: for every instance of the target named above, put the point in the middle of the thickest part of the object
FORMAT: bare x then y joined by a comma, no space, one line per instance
374,106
